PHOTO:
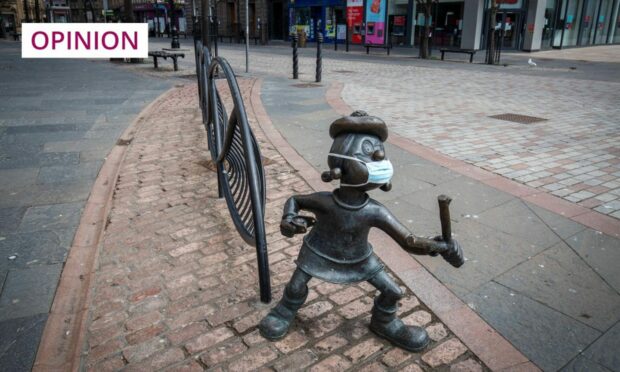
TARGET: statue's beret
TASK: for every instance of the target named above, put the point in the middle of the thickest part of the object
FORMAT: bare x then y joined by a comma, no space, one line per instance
359,122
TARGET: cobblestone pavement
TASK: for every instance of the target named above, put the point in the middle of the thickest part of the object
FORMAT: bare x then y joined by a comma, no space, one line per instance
58,121
171,258
573,153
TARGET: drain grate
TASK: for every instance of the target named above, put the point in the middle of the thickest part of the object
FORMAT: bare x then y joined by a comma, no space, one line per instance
306,85
516,118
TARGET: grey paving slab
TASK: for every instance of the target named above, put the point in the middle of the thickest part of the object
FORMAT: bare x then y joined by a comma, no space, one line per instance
15,178
405,182
422,222
37,160
19,346
20,250
85,171
58,158
601,252
517,219
470,198
29,291
300,137
562,226
47,217
605,350
3,274
582,364
488,253
73,146
420,169
10,218
47,194
549,338
40,138
560,279
43,128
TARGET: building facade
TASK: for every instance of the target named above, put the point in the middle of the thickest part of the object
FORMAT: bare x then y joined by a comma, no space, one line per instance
231,19
58,11
14,12
528,25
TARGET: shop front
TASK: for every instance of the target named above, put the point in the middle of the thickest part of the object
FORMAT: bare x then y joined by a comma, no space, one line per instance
308,17
158,16
582,23
509,25
446,24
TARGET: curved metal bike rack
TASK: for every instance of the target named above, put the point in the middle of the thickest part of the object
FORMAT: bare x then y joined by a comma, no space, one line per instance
234,149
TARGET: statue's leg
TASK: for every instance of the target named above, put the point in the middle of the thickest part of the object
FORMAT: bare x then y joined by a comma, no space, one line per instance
384,321
275,325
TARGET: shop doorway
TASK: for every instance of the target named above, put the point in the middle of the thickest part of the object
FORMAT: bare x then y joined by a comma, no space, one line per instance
510,23
277,27
316,14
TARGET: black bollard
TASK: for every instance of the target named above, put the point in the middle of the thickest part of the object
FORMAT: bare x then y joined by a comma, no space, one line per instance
319,57
295,62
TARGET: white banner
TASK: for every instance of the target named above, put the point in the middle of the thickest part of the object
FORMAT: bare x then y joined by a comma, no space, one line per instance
85,40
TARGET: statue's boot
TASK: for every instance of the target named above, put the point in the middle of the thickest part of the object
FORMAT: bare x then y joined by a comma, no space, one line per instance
385,324
276,324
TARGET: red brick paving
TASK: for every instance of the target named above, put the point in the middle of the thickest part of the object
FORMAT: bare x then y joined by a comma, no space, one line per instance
176,288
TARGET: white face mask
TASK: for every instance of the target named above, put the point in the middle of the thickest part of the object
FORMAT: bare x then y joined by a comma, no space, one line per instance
379,172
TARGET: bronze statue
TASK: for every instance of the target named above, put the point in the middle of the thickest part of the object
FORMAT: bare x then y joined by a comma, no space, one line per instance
337,250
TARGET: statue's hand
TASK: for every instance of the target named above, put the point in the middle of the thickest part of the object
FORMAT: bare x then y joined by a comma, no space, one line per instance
292,225
451,252
287,228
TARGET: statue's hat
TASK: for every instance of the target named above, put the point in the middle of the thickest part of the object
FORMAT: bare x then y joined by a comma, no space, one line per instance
359,122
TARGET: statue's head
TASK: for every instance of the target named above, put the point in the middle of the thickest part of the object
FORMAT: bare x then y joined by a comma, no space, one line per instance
357,156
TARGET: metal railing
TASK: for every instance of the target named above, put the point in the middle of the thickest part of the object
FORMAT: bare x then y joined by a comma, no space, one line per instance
235,151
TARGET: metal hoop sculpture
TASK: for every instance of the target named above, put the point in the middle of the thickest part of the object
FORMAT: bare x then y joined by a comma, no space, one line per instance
234,149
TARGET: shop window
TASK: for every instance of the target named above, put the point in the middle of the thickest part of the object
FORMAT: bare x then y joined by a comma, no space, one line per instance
548,27
615,24
572,22
603,21
588,22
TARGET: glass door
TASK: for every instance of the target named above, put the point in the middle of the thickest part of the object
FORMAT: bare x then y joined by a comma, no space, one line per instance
559,25
550,14
588,22
510,25
572,22
603,22
615,24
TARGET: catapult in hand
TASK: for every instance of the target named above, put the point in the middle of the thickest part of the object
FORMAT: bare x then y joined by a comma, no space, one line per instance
337,250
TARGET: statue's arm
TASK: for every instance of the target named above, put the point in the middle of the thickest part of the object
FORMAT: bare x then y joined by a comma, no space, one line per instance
292,223
451,251
309,202
387,222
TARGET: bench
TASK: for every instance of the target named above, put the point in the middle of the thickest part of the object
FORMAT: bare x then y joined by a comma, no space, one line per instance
471,52
166,55
387,46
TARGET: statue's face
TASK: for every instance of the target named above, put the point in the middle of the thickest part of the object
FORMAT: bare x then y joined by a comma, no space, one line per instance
365,147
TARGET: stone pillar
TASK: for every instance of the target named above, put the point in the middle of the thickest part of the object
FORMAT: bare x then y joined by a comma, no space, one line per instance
473,13
410,32
534,27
